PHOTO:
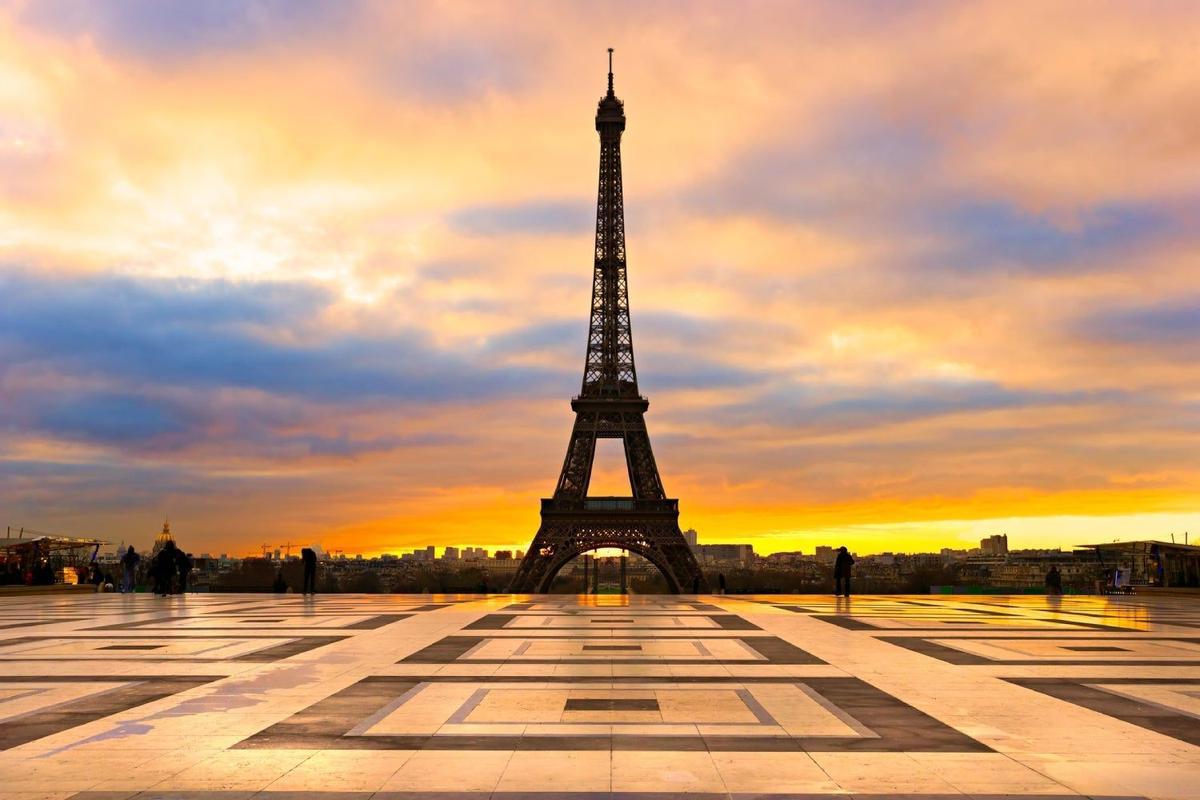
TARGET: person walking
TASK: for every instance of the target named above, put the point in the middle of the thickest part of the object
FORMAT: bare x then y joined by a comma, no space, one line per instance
841,571
129,563
721,581
1054,581
309,557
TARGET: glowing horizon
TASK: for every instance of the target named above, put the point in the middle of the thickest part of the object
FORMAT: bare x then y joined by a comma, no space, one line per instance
318,272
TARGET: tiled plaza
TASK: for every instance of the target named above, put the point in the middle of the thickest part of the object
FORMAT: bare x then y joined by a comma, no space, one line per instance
106,697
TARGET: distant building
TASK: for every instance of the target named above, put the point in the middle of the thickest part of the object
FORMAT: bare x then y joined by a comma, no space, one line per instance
450,554
994,545
1150,563
742,554
824,554
163,537
691,537
430,553
503,555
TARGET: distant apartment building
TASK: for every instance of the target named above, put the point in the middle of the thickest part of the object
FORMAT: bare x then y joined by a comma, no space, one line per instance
450,554
824,554
950,555
691,537
742,554
994,545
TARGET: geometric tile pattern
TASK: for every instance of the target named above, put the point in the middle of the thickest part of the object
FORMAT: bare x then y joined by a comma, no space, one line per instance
646,698
1143,651
459,713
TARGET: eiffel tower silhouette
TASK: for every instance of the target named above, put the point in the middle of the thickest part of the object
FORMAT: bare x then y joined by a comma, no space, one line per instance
609,406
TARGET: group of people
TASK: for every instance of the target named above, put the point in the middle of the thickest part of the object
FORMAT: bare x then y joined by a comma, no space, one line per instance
40,573
169,570
11,574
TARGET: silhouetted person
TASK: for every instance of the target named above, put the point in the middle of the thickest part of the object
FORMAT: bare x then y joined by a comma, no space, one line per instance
163,569
309,557
696,585
183,563
129,563
280,586
1054,580
721,581
96,577
841,571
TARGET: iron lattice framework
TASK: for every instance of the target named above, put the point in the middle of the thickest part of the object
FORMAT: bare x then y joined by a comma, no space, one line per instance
610,406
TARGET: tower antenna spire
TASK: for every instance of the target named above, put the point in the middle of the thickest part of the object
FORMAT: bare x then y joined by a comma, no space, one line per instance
610,82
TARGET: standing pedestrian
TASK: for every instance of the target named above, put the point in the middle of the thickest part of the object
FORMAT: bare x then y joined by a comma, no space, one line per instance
163,569
129,563
841,571
1054,581
721,581
309,557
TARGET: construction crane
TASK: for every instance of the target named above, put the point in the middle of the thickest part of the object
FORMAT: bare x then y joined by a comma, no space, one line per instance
287,549
266,550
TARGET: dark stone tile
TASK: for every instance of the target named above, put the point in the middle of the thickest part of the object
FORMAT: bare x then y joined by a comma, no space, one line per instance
132,647
443,651
490,622
377,622
1096,649
849,623
778,651
732,622
611,704
614,647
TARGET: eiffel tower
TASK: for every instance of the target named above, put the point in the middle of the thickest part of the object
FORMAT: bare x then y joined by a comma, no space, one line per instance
609,406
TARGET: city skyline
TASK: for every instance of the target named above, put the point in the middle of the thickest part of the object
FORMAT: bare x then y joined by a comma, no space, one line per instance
319,273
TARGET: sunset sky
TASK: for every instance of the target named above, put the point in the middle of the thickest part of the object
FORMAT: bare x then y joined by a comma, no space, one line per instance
902,274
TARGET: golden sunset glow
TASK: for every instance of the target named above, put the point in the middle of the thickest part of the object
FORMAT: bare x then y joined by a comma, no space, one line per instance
900,277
